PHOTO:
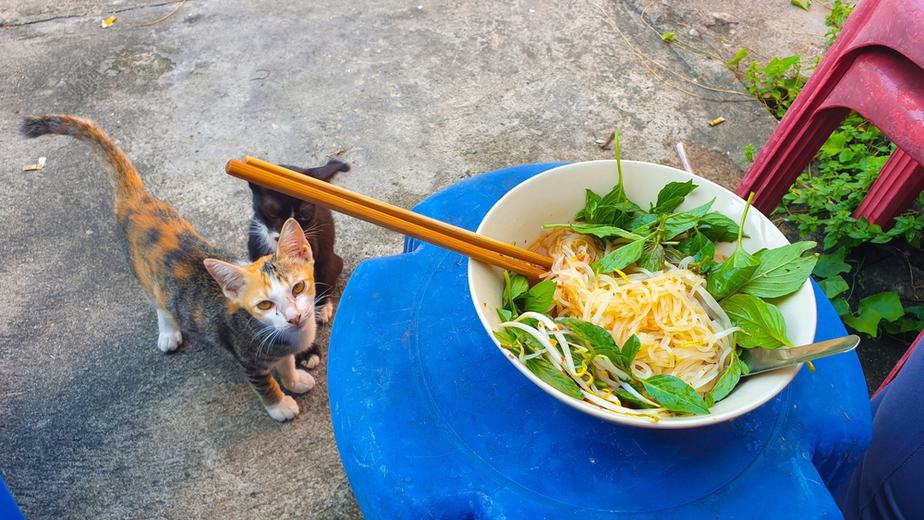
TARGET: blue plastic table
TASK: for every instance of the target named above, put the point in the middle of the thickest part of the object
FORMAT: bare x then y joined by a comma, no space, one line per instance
431,421
8,508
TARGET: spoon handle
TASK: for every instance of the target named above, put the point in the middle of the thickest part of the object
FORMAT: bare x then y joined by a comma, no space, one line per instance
761,360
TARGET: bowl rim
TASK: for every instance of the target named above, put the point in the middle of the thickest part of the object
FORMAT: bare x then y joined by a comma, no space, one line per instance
681,422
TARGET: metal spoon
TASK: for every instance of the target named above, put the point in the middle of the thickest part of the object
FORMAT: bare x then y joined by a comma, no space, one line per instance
762,360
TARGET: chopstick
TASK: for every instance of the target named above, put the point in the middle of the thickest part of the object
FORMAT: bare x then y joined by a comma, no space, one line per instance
409,216
398,219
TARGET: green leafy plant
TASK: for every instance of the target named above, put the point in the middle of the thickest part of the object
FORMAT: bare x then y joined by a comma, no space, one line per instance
823,199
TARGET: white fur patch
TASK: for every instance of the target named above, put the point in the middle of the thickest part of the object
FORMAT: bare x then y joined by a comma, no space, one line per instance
169,336
269,238
313,361
327,313
284,410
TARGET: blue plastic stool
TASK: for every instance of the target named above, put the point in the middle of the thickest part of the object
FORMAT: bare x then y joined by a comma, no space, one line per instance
431,421
8,508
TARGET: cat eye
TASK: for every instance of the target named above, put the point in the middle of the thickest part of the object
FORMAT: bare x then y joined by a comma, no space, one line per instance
298,288
265,305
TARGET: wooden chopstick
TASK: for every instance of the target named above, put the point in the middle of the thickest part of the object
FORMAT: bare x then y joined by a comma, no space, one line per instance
305,187
409,216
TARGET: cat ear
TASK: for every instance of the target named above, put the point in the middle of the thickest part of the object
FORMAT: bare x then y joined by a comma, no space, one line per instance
292,242
230,277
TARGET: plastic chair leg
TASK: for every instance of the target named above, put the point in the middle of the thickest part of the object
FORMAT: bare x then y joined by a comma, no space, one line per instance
789,151
898,185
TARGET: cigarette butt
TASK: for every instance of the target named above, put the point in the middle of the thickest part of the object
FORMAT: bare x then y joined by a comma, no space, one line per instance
717,121
37,167
108,22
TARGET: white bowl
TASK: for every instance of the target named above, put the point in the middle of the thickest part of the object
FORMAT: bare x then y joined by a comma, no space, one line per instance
554,196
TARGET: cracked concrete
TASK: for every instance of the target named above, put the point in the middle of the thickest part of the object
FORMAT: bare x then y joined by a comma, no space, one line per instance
94,421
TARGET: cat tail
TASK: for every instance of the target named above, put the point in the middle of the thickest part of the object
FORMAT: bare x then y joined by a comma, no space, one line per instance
323,173
125,179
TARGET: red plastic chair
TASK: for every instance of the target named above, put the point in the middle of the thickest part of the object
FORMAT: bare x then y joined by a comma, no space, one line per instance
876,68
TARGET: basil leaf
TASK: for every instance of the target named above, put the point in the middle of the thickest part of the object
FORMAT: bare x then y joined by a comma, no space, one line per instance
539,298
718,227
671,196
530,343
675,394
601,231
620,258
781,271
594,337
761,323
629,351
652,257
591,202
731,274
628,399
514,287
554,377
727,381
698,246
506,339
742,366
642,223
505,314
677,223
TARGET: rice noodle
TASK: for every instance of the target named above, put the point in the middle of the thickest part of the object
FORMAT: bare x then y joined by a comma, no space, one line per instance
683,330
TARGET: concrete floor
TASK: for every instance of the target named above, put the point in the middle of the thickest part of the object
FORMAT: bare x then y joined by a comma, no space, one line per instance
94,421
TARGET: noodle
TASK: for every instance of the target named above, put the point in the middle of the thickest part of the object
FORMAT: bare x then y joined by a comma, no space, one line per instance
664,309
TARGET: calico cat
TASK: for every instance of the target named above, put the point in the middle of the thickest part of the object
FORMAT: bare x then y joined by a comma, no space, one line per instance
271,209
261,312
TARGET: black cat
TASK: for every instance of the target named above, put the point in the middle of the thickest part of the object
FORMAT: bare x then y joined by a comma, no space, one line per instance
270,211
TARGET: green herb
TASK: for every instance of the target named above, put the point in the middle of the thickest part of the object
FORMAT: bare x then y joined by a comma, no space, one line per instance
737,269
601,342
697,245
652,257
642,222
728,380
718,227
515,286
628,399
629,351
761,323
597,230
554,377
781,271
518,296
620,258
594,337
673,393
506,339
678,223
671,196
539,297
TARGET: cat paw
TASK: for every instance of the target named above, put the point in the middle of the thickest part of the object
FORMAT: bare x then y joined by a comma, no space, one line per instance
302,383
284,410
312,361
327,313
169,341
